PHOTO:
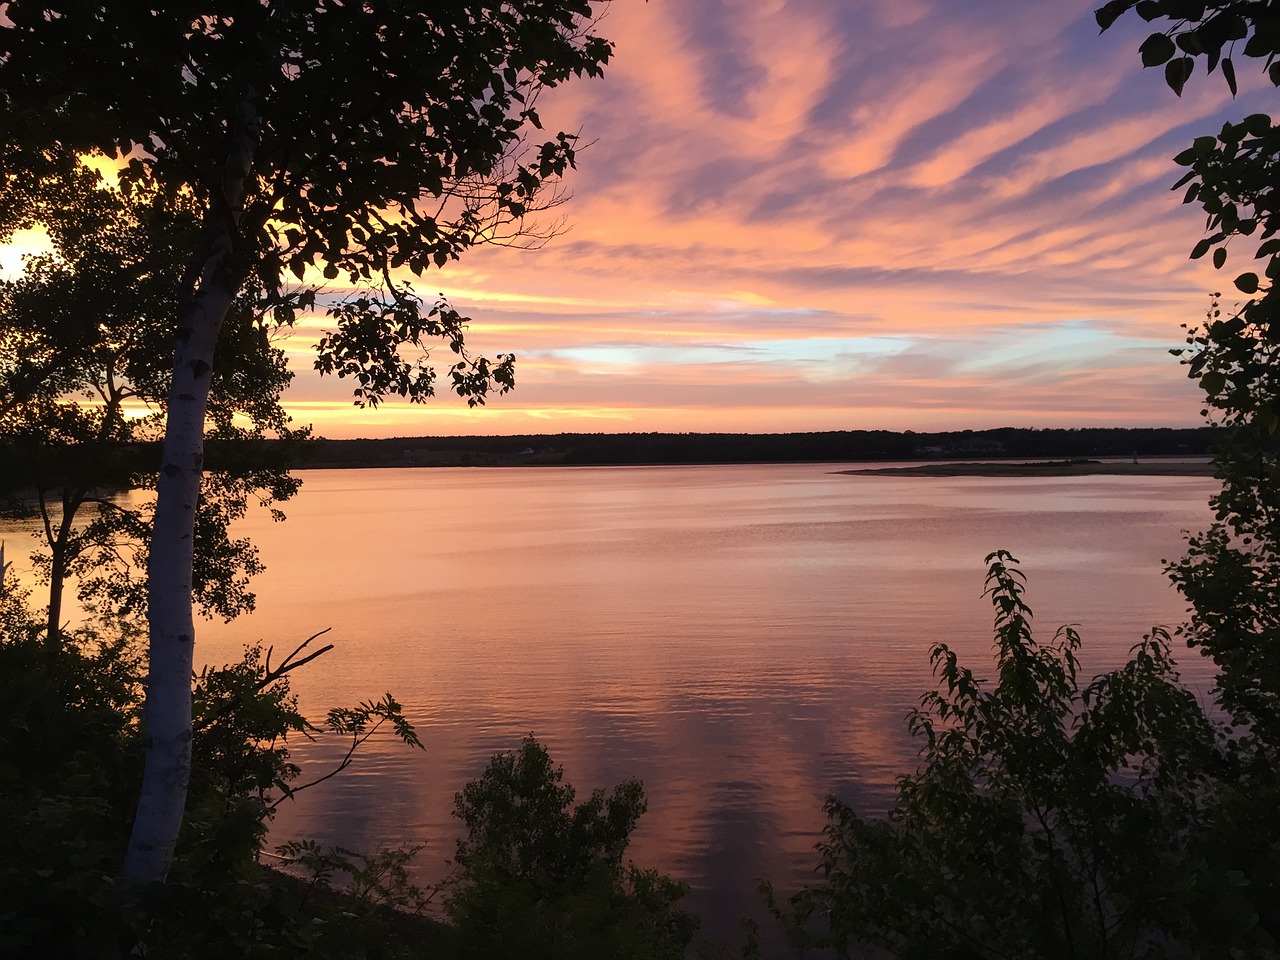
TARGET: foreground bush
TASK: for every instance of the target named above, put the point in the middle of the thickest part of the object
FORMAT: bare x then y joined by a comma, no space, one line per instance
70,759
542,878
1053,819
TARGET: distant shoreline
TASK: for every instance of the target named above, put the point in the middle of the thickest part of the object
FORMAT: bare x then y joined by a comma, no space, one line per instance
1047,468
844,449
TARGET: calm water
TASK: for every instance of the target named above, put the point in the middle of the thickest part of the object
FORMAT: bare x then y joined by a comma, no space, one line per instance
744,639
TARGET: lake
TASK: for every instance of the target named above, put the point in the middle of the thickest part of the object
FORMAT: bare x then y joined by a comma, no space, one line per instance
744,639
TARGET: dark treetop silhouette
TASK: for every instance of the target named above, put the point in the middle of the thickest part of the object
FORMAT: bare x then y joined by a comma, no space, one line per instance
353,137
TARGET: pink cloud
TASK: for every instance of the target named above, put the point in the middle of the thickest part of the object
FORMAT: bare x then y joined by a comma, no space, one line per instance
949,178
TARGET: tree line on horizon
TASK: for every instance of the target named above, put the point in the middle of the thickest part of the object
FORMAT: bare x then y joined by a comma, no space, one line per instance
605,449
239,456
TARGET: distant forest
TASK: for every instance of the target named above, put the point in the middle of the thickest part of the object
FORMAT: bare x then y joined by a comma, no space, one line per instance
600,449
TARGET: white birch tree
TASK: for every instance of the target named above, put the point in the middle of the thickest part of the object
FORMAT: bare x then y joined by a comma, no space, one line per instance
354,138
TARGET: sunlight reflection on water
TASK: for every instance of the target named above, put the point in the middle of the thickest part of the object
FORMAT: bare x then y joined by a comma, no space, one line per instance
744,639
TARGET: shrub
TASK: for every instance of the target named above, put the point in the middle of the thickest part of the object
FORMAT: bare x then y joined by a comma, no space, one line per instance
541,878
1049,818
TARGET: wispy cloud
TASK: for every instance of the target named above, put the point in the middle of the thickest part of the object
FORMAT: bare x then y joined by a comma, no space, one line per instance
796,215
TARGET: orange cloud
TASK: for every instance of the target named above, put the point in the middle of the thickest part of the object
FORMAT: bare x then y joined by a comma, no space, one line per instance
807,215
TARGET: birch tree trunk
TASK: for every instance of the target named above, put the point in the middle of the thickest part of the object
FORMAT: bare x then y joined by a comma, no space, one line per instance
57,566
169,574
217,275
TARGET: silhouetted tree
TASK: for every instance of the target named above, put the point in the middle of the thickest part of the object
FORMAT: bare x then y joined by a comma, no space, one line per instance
355,138
85,350
1231,573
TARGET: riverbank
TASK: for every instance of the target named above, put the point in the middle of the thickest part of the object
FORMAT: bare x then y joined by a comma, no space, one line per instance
1048,468
848,447
873,448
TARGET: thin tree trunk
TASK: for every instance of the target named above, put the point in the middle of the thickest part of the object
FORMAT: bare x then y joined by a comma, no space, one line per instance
167,715
58,572
73,498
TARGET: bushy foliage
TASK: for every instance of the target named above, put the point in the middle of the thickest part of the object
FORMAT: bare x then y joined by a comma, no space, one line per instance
69,759
1049,818
86,341
1231,573
70,756
380,879
538,877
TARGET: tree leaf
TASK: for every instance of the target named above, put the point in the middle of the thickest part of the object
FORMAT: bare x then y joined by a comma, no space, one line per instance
1107,14
1149,10
1247,283
1189,42
1178,72
1257,124
1213,382
1156,49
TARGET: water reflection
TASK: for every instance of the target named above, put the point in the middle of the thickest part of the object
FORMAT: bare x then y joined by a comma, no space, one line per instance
745,640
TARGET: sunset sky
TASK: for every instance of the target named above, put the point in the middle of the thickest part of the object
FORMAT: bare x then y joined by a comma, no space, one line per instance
824,215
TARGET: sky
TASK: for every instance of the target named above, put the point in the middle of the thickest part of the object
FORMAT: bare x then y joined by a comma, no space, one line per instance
801,215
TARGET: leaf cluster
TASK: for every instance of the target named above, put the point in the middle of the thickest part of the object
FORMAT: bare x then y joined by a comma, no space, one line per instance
385,133
538,876
1231,175
1216,31
87,338
374,327
1049,818
1231,571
